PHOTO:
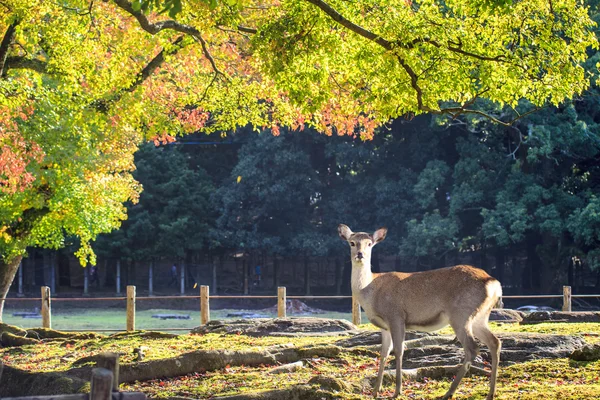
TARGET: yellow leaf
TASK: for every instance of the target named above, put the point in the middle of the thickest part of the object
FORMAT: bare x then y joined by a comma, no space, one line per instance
239,179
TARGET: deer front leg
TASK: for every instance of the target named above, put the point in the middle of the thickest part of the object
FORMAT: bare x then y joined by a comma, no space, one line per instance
386,348
397,331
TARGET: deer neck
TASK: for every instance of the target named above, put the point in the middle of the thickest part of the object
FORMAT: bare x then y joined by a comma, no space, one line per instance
361,275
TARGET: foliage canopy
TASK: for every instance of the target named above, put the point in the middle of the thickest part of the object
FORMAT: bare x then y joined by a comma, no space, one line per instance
83,82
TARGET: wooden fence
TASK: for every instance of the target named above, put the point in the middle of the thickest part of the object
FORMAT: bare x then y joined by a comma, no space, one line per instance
281,297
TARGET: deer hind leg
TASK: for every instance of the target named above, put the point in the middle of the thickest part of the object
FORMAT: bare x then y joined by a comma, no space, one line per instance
398,331
483,333
464,333
386,348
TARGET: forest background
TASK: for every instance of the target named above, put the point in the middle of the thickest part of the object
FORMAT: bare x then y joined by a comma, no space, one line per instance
476,160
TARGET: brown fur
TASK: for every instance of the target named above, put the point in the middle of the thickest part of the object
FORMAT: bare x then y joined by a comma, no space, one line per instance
461,296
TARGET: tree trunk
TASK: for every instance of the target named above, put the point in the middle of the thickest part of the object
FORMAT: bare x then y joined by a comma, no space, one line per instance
275,271
516,282
535,264
338,277
398,264
570,280
306,276
375,266
245,267
7,275
499,264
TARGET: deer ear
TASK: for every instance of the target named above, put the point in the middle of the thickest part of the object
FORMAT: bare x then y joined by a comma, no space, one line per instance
344,232
379,235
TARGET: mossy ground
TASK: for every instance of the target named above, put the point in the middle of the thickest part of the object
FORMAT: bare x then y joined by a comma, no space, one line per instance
549,379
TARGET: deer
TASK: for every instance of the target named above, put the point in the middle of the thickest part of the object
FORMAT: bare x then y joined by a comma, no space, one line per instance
461,296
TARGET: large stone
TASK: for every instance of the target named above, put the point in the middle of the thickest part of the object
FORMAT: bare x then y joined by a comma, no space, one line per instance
279,327
369,338
506,315
437,350
328,383
561,316
589,352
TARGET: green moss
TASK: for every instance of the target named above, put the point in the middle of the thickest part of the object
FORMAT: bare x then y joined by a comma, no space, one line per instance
553,379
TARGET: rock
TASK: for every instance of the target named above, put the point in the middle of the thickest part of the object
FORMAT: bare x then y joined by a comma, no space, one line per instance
227,326
589,352
561,316
439,350
294,307
287,368
267,327
16,382
47,333
15,330
369,338
328,383
298,392
7,339
435,372
506,315
144,334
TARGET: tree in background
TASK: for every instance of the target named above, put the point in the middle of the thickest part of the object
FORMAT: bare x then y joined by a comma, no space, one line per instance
82,83
174,215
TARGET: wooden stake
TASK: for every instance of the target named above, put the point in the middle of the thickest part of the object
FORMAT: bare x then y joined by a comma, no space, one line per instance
566,298
110,362
130,308
102,383
281,302
204,304
46,308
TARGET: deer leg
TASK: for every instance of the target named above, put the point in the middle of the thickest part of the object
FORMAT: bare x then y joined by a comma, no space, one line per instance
465,336
397,332
386,348
482,332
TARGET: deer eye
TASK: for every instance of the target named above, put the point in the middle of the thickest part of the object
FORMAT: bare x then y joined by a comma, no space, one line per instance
352,244
370,244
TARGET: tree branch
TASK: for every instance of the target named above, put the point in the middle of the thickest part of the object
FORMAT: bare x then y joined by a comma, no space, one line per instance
154,28
25,63
155,63
414,77
9,35
340,19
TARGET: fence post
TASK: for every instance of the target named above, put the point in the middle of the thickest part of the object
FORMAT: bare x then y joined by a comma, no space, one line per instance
355,311
102,383
130,308
110,361
46,308
204,304
566,298
281,302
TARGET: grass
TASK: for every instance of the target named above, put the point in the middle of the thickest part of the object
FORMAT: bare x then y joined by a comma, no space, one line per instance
99,319
548,379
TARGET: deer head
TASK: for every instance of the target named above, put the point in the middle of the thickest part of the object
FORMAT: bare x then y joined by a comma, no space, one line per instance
361,243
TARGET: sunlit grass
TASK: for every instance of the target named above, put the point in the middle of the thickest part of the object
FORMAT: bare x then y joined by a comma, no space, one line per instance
547,379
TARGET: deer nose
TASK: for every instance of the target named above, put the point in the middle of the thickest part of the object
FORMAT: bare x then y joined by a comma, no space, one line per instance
359,255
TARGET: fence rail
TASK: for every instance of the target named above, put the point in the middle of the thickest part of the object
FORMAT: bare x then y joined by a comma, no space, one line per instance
205,297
